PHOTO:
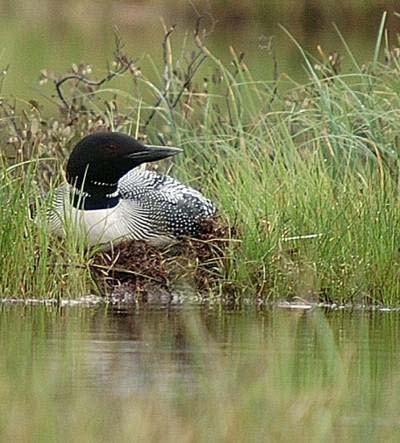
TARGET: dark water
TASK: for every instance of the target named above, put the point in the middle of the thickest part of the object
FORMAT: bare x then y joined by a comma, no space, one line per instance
125,349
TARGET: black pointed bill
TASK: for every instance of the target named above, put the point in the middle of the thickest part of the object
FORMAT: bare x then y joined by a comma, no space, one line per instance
151,153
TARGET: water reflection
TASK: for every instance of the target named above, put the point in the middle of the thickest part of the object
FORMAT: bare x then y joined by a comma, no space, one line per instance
125,349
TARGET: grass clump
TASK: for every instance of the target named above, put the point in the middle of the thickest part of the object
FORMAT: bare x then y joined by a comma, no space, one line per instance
307,174
32,264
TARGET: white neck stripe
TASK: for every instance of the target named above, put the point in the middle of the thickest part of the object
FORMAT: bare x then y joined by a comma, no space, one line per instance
103,184
84,194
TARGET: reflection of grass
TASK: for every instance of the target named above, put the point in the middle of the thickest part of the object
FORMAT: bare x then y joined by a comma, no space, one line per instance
287,378
320,159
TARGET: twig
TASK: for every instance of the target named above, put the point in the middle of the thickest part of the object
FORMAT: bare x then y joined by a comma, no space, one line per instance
166,77
125,271
83,79
189,74
276,71
123,63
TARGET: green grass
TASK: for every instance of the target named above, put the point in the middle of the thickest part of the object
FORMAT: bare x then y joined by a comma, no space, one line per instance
32,264
281,160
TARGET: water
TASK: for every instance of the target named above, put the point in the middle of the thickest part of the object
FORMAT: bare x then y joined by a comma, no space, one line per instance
125,349
151,372
36,40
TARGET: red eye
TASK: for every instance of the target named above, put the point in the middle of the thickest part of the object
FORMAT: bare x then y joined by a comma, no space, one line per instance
111,148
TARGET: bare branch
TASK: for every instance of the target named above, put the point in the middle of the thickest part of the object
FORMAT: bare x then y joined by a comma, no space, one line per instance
189,74
121,61
166,77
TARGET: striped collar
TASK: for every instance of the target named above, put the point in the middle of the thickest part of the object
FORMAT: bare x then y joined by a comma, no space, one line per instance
94,198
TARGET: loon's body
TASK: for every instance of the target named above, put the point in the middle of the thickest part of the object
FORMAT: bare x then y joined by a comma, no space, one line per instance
109,201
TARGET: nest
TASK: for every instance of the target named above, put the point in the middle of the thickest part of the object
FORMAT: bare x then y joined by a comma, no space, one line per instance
135,268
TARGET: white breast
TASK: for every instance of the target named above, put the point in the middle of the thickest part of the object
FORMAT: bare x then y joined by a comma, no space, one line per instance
98,226
103,226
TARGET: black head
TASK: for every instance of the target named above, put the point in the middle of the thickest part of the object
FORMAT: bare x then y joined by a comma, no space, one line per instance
104,157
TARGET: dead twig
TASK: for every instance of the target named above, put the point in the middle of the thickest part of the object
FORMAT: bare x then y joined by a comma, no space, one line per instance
166,77
121,61
124,271
197,60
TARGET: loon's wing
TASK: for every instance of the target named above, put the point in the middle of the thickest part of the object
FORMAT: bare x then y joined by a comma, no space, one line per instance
178,208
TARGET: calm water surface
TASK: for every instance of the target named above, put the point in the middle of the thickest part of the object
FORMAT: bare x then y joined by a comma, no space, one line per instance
130,348
29,45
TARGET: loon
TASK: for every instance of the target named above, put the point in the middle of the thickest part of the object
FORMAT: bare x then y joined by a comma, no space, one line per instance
108,199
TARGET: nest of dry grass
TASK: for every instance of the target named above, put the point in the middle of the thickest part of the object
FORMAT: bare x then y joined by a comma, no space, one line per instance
138,268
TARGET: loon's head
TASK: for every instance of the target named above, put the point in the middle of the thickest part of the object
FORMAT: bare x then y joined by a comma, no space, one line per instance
104,157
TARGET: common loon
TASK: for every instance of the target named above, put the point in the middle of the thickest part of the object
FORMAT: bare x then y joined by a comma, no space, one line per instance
109,200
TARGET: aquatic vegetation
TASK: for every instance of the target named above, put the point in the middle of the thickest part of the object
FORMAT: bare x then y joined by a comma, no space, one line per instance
307,174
